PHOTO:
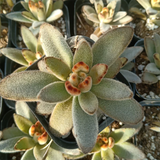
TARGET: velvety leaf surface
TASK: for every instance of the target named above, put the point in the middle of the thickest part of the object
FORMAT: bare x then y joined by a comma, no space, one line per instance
12,132
119,15
22,123
58,68
128,151
88,9
61,118
24,85
28,155
88,102
23,109
107,154
97,156
105,52
110,89
29,56
25,143
54,44
7,146
49,7
123,20
83,53
15,55
42,66
28,16
127,111
152,68
20,69
54,93
93,17
55,15
149,78
85,127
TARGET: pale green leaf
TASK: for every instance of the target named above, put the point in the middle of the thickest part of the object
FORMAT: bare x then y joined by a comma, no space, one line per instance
156,42
123,21
110,89
157,59
28,155
54,44
25,85
25,5
20,69
97,156
54,93
15,55
49,6
61,118
129,66
58,4
127,111
41,14
111,45
157,129
56,14
85,127
149,78
88,102
86,9
107,154
28,15
42,66
119,15
93,17
29,56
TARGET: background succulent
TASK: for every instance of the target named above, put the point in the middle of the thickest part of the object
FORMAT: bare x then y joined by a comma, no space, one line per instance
25,57
151,72
105,17
74,87
28,136
38,12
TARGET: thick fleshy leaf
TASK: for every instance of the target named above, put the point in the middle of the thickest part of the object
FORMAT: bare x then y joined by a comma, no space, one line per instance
45,108
15,55
54,93
157,59
114,69
85,85
128,151
123,21
22,123
23,109
28,16
93,17
97,156
97,72
42,66
28,155
86,9
55,15
54,44
107,154
61,118
7,146
130,76
150,48
25,5
58,4
20,69
37,24
35,31
103,49
104,27
41,14
24,144
39,48
146,4
17,16
149,78
152,68
127,111
83,53
88,102
49,6
85,127
157,129
12,132
129,66
58,68
29,39
25,85
119,15
156,42
29,56
110,89
131,53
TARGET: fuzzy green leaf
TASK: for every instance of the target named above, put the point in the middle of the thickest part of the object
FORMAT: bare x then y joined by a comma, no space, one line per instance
58,68
83,53
28,155
42,66
7,146
22,123
97,156
88,102
55,15
107,154
86,9
54,93
49,6
110,89
105,52
127,111
123,21
61,118
129,66
85,127
58,4
15,55
24,144
23,109
29,56
149,78
12,132
54,44
29,39
93,17
20,69
128,151
119,15
24,85
25,5
28,15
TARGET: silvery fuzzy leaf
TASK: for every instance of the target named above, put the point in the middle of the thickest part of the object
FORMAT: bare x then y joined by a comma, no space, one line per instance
93,17
28,155
55,15
119,15
36,24
86,9
107,154
28,15
152,68
149,78
122,21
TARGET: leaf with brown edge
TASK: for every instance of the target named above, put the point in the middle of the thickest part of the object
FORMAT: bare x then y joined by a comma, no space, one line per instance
97,72
29,56
86,84
80,66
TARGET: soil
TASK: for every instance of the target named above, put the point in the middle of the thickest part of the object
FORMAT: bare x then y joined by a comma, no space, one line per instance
4,38
144,89
4,7
147,140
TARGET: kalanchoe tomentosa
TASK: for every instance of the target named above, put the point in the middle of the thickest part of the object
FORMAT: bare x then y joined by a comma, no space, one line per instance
25,57
28,136
105,17
76,86
38,12
151,72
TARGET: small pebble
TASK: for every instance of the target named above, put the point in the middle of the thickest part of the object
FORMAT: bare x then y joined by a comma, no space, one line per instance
148,96
14,157
141,67
152,94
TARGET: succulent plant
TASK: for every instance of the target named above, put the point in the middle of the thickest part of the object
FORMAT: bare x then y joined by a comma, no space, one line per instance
74,87
105,17
114,144
28,135
38,12
25,57
156,124
151,72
